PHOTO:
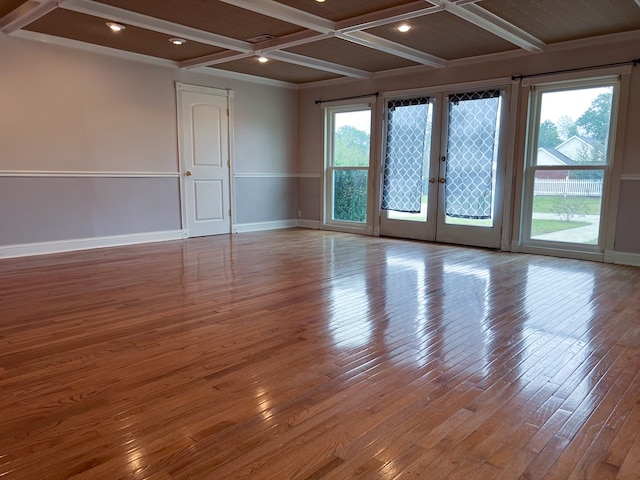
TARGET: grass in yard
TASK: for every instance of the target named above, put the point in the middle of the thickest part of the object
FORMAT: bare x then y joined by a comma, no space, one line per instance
475,222
544,204
540,227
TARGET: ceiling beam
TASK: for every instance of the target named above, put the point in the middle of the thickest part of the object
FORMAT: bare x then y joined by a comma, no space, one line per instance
293,40
90,7
486,20
214,59
285,13
318,64
392,48
385,17
288,14
25,14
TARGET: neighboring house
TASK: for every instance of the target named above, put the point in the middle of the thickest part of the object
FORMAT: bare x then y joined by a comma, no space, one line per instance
576,145
567,153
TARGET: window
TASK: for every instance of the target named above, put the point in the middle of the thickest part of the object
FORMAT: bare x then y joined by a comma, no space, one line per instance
348,160
569,157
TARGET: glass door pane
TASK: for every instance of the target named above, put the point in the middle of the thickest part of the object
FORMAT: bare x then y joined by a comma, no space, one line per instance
407,154
470,205
471,158
405,203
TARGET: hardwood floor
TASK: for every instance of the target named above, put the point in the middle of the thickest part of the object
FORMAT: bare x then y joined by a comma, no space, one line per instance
307,355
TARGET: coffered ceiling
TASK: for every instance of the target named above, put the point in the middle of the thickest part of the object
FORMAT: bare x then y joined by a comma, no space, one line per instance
309,40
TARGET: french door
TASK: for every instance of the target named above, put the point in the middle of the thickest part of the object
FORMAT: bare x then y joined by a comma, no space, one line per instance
443,167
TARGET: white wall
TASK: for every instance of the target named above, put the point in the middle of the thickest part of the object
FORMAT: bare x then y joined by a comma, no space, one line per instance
73,123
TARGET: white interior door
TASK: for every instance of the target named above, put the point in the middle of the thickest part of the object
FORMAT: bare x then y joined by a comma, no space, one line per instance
203,121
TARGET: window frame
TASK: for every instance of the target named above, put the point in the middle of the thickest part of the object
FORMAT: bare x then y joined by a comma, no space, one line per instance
330,168
530,167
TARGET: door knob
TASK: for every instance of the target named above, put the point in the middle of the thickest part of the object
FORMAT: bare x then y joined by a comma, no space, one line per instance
432,180
442,180
187,173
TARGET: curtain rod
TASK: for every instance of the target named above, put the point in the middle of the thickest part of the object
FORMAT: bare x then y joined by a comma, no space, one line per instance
579,69
376,94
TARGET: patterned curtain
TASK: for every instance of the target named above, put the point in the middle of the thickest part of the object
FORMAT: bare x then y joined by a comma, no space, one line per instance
405,150
471,146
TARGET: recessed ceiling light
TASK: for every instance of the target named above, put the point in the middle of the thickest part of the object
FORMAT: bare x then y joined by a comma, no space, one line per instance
263,59
177,41
115,27
320,1
404,28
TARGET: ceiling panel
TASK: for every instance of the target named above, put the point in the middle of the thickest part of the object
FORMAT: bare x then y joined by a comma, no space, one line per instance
8,6
343,9
559,20
285,72
350,54
209,15
445,35
89,29
441,34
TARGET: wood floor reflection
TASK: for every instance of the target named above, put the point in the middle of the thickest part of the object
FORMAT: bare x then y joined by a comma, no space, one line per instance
307,355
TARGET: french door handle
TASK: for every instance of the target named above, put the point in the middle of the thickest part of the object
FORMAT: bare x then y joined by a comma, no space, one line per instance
432,180
442,180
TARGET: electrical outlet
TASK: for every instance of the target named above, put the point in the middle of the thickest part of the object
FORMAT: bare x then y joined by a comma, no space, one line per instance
299,213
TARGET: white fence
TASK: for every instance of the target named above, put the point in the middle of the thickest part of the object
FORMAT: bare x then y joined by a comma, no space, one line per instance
571,187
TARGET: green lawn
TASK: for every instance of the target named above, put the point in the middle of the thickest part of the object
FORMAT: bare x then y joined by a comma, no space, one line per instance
540,227
470,221
544,204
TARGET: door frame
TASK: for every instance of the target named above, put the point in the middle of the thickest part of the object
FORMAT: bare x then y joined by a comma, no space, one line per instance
218,92
507,144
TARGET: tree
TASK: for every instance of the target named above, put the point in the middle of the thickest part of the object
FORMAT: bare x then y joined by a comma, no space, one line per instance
548,135
594,122
351,147
350,195
589,155
567,208
566,127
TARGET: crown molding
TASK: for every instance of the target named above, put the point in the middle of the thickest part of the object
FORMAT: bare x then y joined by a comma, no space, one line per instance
138,57
92,48
244,77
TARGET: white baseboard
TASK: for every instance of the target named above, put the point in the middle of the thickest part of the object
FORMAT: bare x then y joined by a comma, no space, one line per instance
313,224
261,226
622,258
557,252
42,248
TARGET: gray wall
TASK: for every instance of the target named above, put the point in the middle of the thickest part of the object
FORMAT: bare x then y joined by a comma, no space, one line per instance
628,233
252,193
74,121
55,209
